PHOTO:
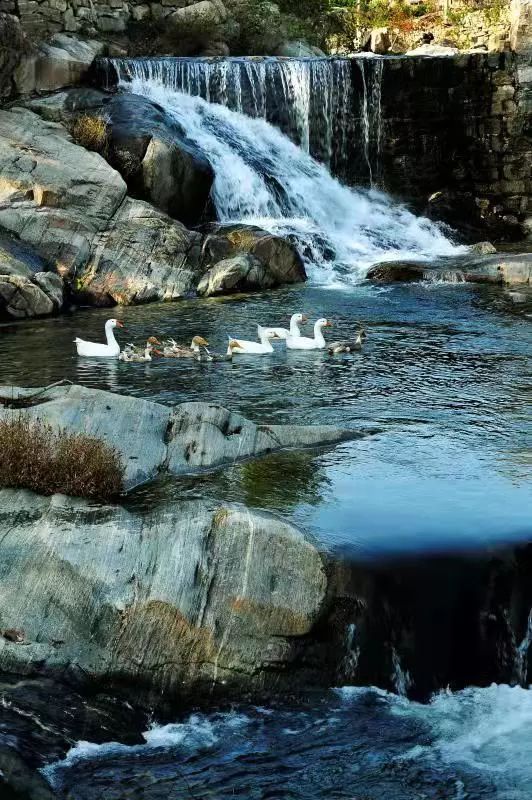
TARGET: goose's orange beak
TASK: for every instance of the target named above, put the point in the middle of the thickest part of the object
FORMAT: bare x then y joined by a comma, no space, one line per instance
328,324
119,323
304,318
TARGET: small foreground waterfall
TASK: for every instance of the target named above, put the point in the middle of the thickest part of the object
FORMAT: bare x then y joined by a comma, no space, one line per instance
235,110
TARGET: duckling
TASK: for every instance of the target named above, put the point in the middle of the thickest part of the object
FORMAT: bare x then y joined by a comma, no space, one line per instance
348,346
206,355
132,355
174,350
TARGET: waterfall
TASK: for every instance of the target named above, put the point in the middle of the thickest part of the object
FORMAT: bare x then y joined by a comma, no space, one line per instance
310,100
521,654
371,111
262,177
400,678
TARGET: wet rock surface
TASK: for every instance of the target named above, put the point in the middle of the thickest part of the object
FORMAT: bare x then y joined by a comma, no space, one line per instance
155,158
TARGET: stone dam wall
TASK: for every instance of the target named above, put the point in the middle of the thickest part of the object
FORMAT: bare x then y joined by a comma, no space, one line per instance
450,133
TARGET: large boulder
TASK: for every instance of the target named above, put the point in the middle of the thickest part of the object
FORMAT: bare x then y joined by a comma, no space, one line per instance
41,167
71,206
242,273
155,158
206,13
153,438
143,256
63,61
380,41
275,260
180,599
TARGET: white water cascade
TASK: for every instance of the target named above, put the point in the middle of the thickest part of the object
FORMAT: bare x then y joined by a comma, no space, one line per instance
263,178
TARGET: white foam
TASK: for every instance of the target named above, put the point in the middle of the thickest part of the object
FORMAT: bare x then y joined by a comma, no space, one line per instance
487,729
262,178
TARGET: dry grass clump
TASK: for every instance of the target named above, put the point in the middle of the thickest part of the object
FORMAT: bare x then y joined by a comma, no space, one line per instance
90,132
35,457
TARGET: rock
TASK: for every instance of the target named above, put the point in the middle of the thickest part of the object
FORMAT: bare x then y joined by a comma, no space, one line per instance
14,46
242,273
483,248
18,780
71,206
207,436
178,600
380,42
26,290
156,159
64,61
433,50
216,50
279,259
392,271
41,167
61,106
154,438
16,258
142,256
140,13
20,298
298,49
206,12
516,269
496,268
52,285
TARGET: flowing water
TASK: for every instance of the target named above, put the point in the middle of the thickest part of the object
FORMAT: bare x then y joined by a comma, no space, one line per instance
263,178
356,744
442,377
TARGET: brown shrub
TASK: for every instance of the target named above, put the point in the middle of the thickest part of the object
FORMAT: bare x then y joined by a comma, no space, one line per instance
35,457
90,132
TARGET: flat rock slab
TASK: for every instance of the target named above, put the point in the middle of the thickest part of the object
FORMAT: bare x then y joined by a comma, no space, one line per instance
186,596
153,438
498,268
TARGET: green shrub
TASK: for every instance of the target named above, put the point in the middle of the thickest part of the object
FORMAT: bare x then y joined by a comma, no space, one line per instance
36,457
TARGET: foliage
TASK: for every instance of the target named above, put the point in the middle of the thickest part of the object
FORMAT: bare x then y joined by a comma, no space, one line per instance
90,132
179,37
36,457
491,10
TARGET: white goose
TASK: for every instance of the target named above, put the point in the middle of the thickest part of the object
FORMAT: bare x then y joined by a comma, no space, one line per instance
109,350
306,342
252,348
283,333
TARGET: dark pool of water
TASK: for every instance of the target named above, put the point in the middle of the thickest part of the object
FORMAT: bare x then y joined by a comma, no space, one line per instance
444,375
355,744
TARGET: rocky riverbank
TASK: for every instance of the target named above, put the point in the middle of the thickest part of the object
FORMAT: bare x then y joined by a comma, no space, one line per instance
66,212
